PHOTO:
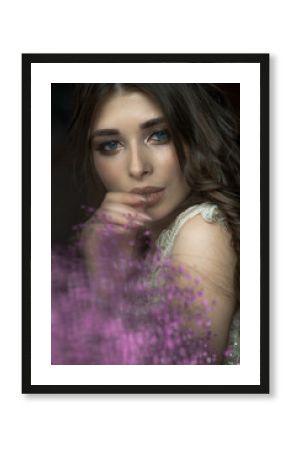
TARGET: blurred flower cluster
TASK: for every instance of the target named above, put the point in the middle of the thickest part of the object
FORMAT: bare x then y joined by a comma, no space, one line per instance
132,312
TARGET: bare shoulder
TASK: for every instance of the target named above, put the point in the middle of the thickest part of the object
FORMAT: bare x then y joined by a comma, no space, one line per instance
206,248
199,236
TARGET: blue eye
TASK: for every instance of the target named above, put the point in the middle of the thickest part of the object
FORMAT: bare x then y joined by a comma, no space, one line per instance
112,145
108,147
162,135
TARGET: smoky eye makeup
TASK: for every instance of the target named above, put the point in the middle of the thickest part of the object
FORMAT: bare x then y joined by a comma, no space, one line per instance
108,147
160,136
111,146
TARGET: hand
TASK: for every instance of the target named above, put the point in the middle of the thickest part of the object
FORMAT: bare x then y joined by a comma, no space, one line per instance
120,208
125,213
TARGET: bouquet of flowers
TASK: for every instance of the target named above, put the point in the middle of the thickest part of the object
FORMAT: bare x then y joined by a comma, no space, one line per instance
140,319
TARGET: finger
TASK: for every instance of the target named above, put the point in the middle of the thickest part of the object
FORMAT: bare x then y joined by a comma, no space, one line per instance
127,211
112,216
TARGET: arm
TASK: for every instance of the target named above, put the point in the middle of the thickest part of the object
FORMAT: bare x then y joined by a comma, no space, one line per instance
205,250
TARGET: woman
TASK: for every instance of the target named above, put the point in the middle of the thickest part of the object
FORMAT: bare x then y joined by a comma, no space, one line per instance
165,158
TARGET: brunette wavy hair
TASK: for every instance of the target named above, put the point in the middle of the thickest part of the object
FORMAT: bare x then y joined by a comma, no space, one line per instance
201,118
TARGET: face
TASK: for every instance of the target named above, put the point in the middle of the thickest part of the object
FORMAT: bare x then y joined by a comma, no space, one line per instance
133,150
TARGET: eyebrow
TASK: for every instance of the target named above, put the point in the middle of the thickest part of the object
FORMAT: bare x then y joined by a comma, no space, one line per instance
113,131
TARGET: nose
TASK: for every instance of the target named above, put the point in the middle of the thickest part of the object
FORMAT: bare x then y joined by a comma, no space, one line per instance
139,163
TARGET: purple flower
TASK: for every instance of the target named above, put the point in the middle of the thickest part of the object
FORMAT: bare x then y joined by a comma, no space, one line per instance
121,319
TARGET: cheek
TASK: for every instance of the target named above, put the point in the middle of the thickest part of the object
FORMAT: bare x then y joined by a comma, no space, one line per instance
107,171
169,164
174,175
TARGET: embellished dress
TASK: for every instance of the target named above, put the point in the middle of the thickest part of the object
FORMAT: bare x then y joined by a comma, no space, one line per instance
165,243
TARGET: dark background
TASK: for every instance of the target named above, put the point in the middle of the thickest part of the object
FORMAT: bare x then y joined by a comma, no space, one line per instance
66,198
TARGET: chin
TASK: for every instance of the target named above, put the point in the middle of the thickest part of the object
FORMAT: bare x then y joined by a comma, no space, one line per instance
160,213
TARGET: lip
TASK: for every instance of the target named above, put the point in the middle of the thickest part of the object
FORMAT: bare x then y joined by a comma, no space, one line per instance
146,190
152,194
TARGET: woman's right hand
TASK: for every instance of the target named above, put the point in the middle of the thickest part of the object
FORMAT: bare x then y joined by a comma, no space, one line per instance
124,211
122,208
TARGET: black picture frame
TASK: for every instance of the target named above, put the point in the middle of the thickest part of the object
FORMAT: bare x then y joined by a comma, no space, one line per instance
259,60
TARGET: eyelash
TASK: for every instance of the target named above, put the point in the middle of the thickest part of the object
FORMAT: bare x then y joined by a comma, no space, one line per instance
101,147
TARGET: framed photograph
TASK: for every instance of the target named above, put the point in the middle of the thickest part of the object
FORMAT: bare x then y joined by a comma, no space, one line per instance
145,223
